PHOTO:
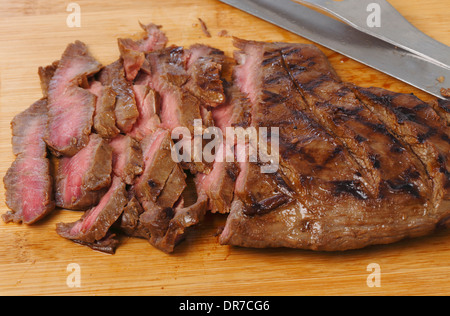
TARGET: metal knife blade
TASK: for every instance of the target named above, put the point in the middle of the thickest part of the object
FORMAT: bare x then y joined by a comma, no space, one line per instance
393,27
348,41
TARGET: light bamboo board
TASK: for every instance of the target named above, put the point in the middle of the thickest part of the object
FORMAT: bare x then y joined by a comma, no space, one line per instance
34,260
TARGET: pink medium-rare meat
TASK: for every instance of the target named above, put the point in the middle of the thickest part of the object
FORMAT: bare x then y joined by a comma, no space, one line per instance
148,103
71,107
126,110
133,52
127,158
28,183
96,223
104,117
83,179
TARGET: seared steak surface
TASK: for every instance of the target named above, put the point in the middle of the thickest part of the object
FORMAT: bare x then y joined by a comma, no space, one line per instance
346,179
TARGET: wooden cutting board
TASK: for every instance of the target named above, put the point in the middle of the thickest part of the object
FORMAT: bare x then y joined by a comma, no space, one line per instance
36,261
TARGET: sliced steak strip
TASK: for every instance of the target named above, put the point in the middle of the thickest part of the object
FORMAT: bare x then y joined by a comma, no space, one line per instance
318,198
28,184
104,117
45,75
442,107
126,110
391,165
148,103
70,107
127,160
417,124
82,180
182,78
133,52
95,223
158,166
205,74
179,107
218,185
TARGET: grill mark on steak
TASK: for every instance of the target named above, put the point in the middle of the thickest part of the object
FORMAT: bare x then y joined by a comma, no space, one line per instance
204,68
331,207
70,107
353,122
28,183
419,126
442,108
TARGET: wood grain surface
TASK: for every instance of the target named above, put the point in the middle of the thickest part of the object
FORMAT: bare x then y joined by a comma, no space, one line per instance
34,260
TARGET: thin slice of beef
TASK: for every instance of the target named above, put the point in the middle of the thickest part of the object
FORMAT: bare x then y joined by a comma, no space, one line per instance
205,74
158,166
45,75
71,107
127,160
126,110
158,214
28,183
104,117
95,224
175,74
416,124
82,180
218,185
133,52
148,103
179,108
319,198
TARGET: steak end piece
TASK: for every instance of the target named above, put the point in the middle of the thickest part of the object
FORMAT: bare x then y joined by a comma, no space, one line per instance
28,183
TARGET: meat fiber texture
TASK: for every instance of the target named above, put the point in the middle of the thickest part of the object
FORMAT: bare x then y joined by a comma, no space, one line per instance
357,166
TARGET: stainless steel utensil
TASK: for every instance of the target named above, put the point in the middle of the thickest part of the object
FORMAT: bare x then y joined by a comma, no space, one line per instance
419,69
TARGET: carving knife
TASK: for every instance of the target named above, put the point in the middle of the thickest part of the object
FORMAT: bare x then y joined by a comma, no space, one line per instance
397,62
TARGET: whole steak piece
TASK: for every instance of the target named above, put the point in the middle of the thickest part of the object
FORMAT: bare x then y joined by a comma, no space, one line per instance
345,179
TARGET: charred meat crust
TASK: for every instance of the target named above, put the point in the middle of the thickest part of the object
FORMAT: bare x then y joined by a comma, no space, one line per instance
333,205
